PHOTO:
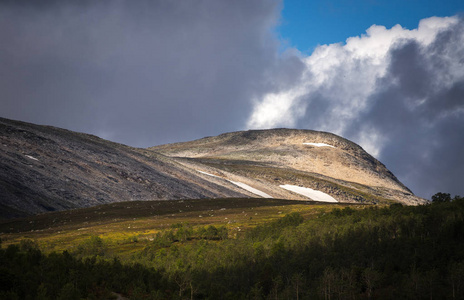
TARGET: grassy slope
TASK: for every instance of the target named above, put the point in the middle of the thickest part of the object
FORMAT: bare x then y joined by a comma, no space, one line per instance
129,226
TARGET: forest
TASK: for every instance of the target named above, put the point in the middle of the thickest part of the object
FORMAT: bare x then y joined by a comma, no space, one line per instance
392,252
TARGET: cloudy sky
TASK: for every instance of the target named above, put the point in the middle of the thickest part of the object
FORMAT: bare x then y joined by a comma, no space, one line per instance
388,75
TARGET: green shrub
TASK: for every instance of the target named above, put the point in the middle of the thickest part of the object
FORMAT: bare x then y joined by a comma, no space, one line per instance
94,246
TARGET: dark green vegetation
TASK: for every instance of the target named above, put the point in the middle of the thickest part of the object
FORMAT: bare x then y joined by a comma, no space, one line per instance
395,252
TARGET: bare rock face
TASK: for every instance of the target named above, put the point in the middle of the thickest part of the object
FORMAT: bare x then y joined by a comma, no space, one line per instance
45,168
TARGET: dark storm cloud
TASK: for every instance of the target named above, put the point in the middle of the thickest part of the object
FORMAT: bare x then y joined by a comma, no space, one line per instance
138,72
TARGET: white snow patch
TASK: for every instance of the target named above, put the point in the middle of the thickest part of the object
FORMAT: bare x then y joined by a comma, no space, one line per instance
242,185
251,189
207,174
313,194
318,145
31,157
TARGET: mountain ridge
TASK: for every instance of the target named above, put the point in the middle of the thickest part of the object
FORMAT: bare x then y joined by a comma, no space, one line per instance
45,168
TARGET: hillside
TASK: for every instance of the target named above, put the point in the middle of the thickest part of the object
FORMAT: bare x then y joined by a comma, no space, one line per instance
305,150
45,168
270,159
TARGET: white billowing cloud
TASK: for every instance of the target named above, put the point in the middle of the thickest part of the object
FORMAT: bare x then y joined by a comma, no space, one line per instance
344,76
397,92
279,109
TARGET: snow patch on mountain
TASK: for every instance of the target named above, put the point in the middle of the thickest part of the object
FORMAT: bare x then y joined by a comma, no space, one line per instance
207,174
251,189
318,145
31,157
310,193
241,185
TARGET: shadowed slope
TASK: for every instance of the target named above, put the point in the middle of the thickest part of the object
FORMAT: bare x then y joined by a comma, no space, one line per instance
45,169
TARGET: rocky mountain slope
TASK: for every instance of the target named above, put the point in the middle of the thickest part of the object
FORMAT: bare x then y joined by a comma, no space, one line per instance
45,168
271,159
305,150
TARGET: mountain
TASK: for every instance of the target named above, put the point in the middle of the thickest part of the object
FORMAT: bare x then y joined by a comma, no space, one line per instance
268,159
45,168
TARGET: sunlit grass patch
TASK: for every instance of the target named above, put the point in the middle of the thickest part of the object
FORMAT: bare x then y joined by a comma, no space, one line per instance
126,228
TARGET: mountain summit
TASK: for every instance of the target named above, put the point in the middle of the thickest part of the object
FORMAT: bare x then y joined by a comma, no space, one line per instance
46,168
273,158
304,150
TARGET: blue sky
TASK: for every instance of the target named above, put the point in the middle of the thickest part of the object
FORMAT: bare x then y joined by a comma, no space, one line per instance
305,24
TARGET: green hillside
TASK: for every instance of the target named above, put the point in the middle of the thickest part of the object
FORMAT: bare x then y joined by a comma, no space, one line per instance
293,251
